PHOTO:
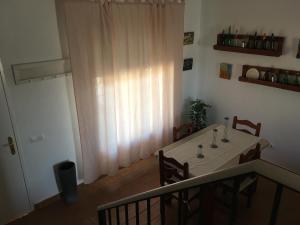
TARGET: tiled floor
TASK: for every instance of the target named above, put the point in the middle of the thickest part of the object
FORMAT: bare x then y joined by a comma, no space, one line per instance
144,176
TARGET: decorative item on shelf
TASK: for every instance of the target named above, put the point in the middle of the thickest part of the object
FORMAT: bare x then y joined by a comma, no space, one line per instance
221,40
229,37
298,54
292,79
225,71
273,43
188,38
252,73
250,44
225,134
272,77
214,139
236,41
298,78
197,113
262,75
188,64
255,41
244,44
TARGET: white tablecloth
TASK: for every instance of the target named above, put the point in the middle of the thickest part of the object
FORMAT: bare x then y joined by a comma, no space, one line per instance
214,159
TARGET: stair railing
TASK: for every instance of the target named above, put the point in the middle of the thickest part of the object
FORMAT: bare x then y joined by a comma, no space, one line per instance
281,176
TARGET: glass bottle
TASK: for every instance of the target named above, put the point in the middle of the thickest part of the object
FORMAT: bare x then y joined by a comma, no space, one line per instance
298,78
272,42
225,134
229,40
214,139
298,54
223,39
200,152
264,41
286,77
236,40
255,40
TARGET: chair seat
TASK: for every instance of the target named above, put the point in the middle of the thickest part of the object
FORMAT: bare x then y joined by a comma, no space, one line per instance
243,185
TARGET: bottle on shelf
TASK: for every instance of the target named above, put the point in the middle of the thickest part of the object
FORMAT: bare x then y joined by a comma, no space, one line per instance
255,41
264,41
268,43
221,39
250,42
298,54
229,37
298,78
286,77
272,42
236,40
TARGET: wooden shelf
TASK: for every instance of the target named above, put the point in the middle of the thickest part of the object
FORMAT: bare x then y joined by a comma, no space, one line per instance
246,38
270,84
248,50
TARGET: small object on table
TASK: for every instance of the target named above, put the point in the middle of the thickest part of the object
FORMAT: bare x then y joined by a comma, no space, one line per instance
214,139
200,152
225,134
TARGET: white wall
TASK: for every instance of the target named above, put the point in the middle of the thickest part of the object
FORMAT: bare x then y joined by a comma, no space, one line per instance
277,109
190,78
29,33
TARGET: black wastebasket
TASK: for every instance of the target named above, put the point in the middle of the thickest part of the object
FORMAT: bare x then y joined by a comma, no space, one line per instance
67,179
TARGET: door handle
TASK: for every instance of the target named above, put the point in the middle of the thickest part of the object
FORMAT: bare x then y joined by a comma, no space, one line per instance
11,145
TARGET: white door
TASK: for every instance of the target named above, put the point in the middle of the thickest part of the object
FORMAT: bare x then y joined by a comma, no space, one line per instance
14,200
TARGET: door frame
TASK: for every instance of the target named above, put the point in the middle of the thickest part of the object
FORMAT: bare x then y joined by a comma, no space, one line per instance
17,138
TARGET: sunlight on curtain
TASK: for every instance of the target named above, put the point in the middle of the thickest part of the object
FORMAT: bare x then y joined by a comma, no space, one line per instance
126,61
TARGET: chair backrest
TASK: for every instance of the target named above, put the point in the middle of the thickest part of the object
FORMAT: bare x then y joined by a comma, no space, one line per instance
182,131
255,127
171,171
251,155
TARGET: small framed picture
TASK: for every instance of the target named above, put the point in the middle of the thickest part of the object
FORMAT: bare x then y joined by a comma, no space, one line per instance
188,64
225,71
188,38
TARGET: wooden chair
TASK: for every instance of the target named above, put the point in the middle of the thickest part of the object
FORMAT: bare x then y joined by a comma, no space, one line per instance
183,131
247,185
247,123
171,171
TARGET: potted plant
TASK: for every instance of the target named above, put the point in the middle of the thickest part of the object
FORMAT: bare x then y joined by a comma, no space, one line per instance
197,113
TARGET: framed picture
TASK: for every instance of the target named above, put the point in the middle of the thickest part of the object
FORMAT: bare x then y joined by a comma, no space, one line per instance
188,64
188,38
225,71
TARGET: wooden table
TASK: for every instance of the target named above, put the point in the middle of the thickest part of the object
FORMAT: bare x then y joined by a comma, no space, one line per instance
225,156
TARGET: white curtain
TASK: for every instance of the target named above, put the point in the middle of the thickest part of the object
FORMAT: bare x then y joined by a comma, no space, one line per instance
126,61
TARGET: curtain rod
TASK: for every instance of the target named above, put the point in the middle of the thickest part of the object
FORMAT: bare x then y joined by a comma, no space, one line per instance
136,1
132,1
